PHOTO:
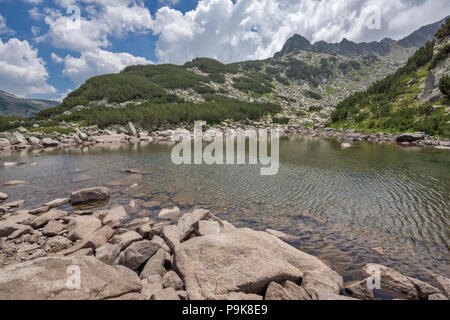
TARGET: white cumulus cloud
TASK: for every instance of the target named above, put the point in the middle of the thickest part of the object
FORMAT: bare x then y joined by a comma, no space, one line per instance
22,71
88,27
255,29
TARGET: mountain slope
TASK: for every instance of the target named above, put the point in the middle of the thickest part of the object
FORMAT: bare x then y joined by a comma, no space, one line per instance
409,100
303,86
11,105
351,49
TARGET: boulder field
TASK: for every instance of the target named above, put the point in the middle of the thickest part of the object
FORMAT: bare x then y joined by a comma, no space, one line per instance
53,252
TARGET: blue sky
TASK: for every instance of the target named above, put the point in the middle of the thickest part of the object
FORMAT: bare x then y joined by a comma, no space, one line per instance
45,54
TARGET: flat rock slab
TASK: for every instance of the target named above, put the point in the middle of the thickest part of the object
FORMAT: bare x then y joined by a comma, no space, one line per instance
57,202
42,220
13,183
48,279
242,260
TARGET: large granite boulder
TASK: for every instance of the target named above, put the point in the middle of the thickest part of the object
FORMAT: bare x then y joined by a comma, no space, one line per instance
246,261
55,278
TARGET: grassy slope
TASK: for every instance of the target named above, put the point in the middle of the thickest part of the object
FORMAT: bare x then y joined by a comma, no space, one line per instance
390,105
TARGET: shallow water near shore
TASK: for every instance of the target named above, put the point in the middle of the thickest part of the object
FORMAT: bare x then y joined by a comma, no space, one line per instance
338,203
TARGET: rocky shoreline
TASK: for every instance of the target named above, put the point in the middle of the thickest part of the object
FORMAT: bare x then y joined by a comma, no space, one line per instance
176,256
21,139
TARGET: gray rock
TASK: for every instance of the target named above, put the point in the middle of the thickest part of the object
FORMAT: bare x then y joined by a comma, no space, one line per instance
115,216
48,278
286,291
189,221
206,227
223,263
443,283
170,214
53,228
137,254
83,252
236,296
34,141
125,239
165,294
16,138
9,227
281,235
410,287
437,296
48,142
13,183
154,266
151,285
57,203
57,244
3,196
131,129
40,210
20,232
108,253
160,241
334,297
42,220
410,137
89,194
10,205
99,237
81,227
172,280
37,254
171,236
321,282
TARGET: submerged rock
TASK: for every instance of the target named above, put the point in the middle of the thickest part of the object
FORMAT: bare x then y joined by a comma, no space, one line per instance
89,195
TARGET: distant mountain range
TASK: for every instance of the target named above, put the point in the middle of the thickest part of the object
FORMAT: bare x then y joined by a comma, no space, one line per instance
305,80
351,49
10,105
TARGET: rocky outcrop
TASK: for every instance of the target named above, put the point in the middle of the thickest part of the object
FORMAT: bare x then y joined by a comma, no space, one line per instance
224,263
200,257
55,278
